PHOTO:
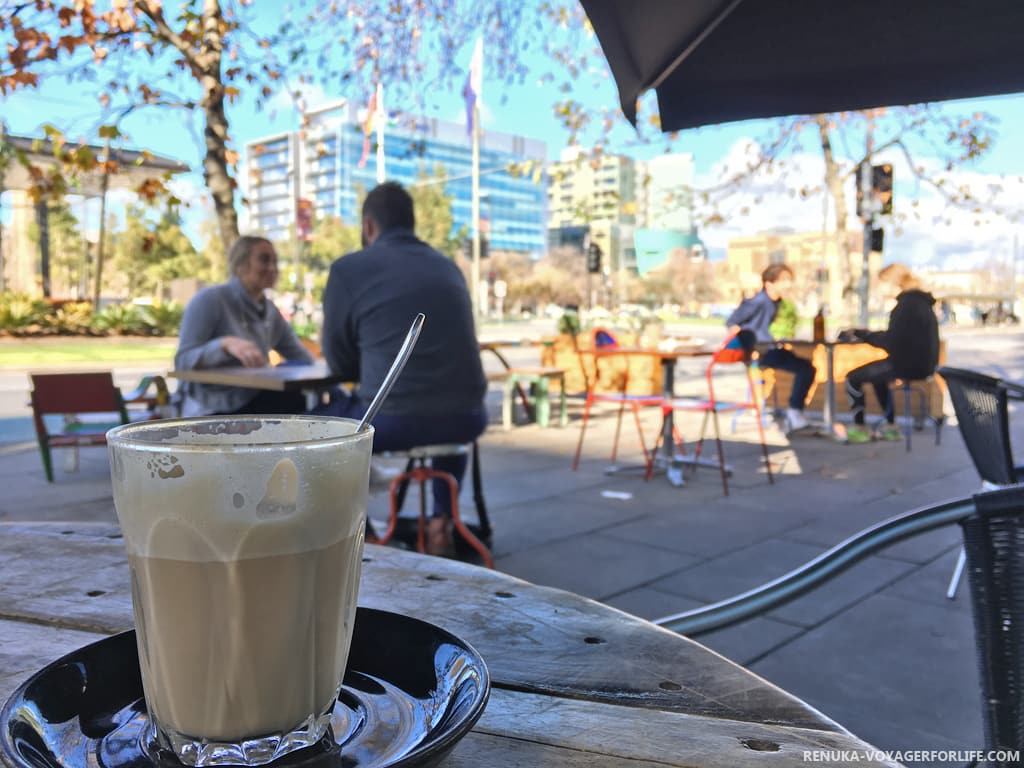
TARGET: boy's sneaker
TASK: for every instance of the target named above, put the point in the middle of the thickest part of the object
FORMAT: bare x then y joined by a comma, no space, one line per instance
795,420
857,435
891,433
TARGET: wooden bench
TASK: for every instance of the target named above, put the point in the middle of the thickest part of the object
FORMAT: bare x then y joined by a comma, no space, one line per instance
539,380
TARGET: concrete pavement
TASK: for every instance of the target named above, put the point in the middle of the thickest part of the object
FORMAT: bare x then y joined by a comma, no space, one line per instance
880,648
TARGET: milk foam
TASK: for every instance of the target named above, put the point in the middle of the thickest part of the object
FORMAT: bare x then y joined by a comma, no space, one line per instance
253,497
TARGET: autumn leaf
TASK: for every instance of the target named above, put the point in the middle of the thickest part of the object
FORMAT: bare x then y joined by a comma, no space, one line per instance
230,156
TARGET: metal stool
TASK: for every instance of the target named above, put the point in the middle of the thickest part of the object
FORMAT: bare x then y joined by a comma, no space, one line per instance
416,470
909,387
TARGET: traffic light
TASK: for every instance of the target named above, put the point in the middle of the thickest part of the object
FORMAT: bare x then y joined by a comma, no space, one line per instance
877,239
881,187
594,258
880,178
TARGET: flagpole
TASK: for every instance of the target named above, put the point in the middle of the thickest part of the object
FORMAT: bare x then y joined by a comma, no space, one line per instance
475,271
381,174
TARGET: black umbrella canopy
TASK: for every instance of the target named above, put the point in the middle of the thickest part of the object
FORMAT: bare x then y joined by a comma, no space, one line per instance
714,61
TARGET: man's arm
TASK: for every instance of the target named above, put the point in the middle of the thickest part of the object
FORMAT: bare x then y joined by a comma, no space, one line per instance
739,317
340,344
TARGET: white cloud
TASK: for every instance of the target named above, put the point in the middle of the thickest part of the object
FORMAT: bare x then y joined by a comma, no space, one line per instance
311,95
932,232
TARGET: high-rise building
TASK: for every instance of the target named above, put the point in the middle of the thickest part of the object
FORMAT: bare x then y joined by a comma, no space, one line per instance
584,190
333,174
665,192
665,210
594,198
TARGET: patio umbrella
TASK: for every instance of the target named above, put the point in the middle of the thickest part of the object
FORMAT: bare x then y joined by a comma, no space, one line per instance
713,61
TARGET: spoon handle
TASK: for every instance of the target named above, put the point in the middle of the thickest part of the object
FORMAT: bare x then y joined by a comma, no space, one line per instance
396,368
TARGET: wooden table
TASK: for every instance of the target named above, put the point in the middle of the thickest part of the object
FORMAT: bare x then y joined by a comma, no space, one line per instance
309,379
575,683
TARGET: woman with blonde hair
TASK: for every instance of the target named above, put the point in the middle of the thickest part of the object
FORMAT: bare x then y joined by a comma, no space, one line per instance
912,341
234,323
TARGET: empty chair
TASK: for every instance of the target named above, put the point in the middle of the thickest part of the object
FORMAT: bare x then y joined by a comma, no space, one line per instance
982,413
994,545
614,363
993,532
72,395
737,349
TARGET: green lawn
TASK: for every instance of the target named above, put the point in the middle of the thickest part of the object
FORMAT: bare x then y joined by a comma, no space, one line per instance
26,353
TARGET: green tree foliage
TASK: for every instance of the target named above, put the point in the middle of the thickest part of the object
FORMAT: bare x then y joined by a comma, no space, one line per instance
212,254
434,220
151,250
204,56
69,250
332,239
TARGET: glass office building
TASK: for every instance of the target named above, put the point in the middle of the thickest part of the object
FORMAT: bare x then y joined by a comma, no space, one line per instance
328,153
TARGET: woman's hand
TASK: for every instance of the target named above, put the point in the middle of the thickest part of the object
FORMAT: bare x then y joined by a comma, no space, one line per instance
247,353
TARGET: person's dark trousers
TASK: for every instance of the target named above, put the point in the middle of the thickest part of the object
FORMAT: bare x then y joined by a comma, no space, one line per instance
401,431
277,403
878,373
801,368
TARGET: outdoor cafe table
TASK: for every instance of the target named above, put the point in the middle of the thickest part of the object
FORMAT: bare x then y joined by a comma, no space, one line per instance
308,379
574,683
667,459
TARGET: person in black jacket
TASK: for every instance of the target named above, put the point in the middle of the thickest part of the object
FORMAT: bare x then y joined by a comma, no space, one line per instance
912,341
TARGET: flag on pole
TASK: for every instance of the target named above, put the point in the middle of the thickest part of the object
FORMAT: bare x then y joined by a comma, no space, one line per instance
381,119
368,122
474,82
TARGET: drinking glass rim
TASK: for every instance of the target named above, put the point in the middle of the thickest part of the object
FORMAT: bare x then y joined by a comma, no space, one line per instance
132,436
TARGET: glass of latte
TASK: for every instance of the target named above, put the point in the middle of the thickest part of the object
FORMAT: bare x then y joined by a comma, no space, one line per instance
245,539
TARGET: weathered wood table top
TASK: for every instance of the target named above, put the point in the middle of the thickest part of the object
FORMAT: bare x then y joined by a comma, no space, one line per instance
574,683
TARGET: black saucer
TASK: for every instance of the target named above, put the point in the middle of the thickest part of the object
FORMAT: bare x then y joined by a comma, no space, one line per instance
412,690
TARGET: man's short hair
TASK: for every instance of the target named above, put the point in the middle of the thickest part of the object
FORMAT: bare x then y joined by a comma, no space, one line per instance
390,206
773,272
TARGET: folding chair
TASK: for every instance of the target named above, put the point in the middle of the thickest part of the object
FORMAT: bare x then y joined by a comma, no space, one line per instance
607,353
71,395
737,349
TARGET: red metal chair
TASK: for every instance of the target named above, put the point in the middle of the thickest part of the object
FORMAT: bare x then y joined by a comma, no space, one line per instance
71,395
606,350
737,349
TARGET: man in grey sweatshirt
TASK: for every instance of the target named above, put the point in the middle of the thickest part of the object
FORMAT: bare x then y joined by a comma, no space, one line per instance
370,301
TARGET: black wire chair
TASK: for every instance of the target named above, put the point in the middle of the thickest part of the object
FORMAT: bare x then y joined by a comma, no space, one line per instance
982,413
994,543
993,526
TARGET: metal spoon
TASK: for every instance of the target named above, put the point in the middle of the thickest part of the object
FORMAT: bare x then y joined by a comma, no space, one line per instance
396,368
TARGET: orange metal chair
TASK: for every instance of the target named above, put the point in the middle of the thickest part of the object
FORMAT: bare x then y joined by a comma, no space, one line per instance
606,349
737,349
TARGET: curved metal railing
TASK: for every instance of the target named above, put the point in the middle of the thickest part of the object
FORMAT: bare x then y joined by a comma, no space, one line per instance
819,570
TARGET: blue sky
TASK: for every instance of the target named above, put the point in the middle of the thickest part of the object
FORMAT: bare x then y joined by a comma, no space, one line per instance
527,109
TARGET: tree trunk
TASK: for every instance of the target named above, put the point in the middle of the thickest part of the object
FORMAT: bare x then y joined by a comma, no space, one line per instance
839,288
215,163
